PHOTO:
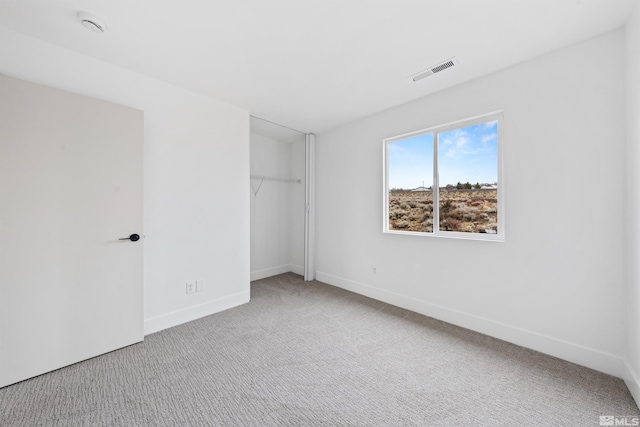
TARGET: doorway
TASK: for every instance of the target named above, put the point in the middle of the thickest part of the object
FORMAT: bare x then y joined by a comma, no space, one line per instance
281,202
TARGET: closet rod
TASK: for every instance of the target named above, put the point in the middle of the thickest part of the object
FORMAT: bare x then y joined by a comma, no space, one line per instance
266,178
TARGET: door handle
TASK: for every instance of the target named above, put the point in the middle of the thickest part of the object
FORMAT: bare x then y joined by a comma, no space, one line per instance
133,238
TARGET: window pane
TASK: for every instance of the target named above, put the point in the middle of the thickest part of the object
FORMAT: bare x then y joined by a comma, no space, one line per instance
410,169
468,179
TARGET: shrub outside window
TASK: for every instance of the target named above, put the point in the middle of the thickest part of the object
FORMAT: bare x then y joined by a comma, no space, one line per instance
446,181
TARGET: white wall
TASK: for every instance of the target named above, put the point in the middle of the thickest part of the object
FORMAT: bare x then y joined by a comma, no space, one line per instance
277,211
196,218
632,377
557,283
270,214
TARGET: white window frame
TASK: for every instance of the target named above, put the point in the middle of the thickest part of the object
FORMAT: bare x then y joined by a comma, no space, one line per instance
436,130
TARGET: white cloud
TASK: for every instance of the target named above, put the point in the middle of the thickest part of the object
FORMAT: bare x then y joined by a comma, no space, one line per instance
457,143
488,137
490,125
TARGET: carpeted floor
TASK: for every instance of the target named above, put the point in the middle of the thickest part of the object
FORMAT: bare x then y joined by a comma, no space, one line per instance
309,354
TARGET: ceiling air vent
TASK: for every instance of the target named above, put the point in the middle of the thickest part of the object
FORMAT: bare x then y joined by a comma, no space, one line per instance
434,69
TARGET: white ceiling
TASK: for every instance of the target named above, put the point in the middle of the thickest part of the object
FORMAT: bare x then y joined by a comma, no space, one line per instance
315,64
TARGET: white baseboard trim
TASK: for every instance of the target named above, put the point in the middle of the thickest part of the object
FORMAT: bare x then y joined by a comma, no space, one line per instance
299,270
581,355
178,317
274,271
632,380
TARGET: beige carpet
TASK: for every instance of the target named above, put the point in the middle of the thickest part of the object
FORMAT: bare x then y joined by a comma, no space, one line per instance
308,354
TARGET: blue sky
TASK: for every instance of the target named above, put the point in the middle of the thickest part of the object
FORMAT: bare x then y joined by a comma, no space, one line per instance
411,162
465,154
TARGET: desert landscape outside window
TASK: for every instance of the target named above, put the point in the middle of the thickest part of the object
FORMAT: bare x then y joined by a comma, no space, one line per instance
450,172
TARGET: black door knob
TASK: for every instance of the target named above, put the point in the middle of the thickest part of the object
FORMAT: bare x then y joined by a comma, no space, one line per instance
133,238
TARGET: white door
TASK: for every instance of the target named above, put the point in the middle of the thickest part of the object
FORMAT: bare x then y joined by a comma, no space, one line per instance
70,188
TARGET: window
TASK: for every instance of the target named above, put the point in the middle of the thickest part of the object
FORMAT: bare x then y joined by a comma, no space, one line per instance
451,173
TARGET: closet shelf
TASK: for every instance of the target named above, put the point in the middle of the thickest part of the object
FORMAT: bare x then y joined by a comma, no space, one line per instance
266,178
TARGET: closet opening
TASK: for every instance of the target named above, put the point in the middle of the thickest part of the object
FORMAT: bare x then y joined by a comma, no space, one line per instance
281,200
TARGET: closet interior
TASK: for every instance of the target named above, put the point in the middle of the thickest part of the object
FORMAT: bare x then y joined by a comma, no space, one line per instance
277,199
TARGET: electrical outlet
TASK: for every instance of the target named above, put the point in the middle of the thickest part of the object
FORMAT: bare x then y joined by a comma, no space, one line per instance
199,285
374,270
191,287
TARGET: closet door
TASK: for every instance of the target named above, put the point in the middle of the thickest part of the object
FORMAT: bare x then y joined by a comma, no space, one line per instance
70,190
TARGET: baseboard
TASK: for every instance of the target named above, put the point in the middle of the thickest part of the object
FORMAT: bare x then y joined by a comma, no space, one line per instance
581,355
274,271
268,272
296,269
632,380
188,314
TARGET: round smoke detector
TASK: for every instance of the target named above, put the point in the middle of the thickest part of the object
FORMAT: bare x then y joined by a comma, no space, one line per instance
92,22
